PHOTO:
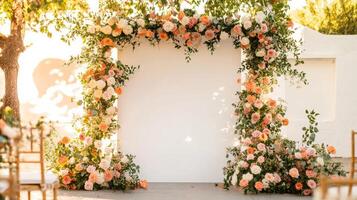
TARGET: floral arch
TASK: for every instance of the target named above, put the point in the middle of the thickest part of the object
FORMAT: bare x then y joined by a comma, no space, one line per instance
266,41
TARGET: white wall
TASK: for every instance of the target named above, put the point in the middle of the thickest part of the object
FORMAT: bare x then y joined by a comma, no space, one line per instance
176,117
331,66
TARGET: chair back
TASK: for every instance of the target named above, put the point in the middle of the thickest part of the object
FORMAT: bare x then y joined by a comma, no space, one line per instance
341,184
8,170
31,150
353,151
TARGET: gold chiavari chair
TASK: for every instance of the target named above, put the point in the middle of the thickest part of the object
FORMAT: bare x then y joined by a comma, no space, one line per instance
327,184
353,157
8,176
31,153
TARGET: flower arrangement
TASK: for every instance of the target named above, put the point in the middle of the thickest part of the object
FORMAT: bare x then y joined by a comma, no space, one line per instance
265,38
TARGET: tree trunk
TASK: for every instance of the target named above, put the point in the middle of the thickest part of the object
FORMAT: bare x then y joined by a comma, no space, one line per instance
11,96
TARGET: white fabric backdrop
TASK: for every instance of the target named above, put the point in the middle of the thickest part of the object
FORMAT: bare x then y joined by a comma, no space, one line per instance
176,117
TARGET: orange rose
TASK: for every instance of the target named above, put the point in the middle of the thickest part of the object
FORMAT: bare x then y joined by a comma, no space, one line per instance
250,150
251,99
205,20
258,90
250,86
298,186
285,122
62,160
118,90
263,137
259,186
331,149
149,34
93,177
66,180
163,36
108,175
143,184
142,32
107,42
181,15
103,127
65,140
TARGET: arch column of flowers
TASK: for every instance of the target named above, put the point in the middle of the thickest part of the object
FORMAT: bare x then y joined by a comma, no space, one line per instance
84,163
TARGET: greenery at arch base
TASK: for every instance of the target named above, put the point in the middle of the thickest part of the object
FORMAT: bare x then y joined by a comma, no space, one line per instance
263,162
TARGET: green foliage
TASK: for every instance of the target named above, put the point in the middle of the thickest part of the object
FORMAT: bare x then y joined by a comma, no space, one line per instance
337,17
42,15
310,131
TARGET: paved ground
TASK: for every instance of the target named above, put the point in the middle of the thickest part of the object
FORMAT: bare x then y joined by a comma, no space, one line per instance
169,191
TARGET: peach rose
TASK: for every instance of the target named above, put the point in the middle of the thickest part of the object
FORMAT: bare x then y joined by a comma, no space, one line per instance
108,175
263,137
93,177
259,186
2,124
192,22
250,86
310,173
209,34
307,192
181,14
236,30
88,185
255,117
261,65
293,172
243,183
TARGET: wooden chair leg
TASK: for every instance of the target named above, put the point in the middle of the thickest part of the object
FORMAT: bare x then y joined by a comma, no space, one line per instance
55,193
44,195
29,195
350,186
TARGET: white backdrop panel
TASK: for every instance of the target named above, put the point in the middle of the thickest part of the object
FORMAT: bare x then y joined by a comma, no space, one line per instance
176,117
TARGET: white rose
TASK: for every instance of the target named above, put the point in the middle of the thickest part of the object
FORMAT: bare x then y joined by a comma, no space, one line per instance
298,155
259,17
91,29
98,94
108,120
244,41
260,53
224,35
320,161
185,20
125,159
92,83
85,159
127,30
64,172
247,24
100,84
108,150
106,30
201,27
248,176
98,144
100,178
97,28
104,164
168,26
110,91
140,22
112,21
72,160
107,54
106,96
255,169
122,23
111,81
110,110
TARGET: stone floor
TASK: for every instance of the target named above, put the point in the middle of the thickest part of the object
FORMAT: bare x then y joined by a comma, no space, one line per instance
170,191
174,191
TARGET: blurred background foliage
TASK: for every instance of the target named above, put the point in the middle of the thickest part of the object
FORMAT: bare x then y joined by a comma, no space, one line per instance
329,16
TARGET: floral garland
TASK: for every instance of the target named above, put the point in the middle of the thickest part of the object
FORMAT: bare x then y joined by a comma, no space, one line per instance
84,163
